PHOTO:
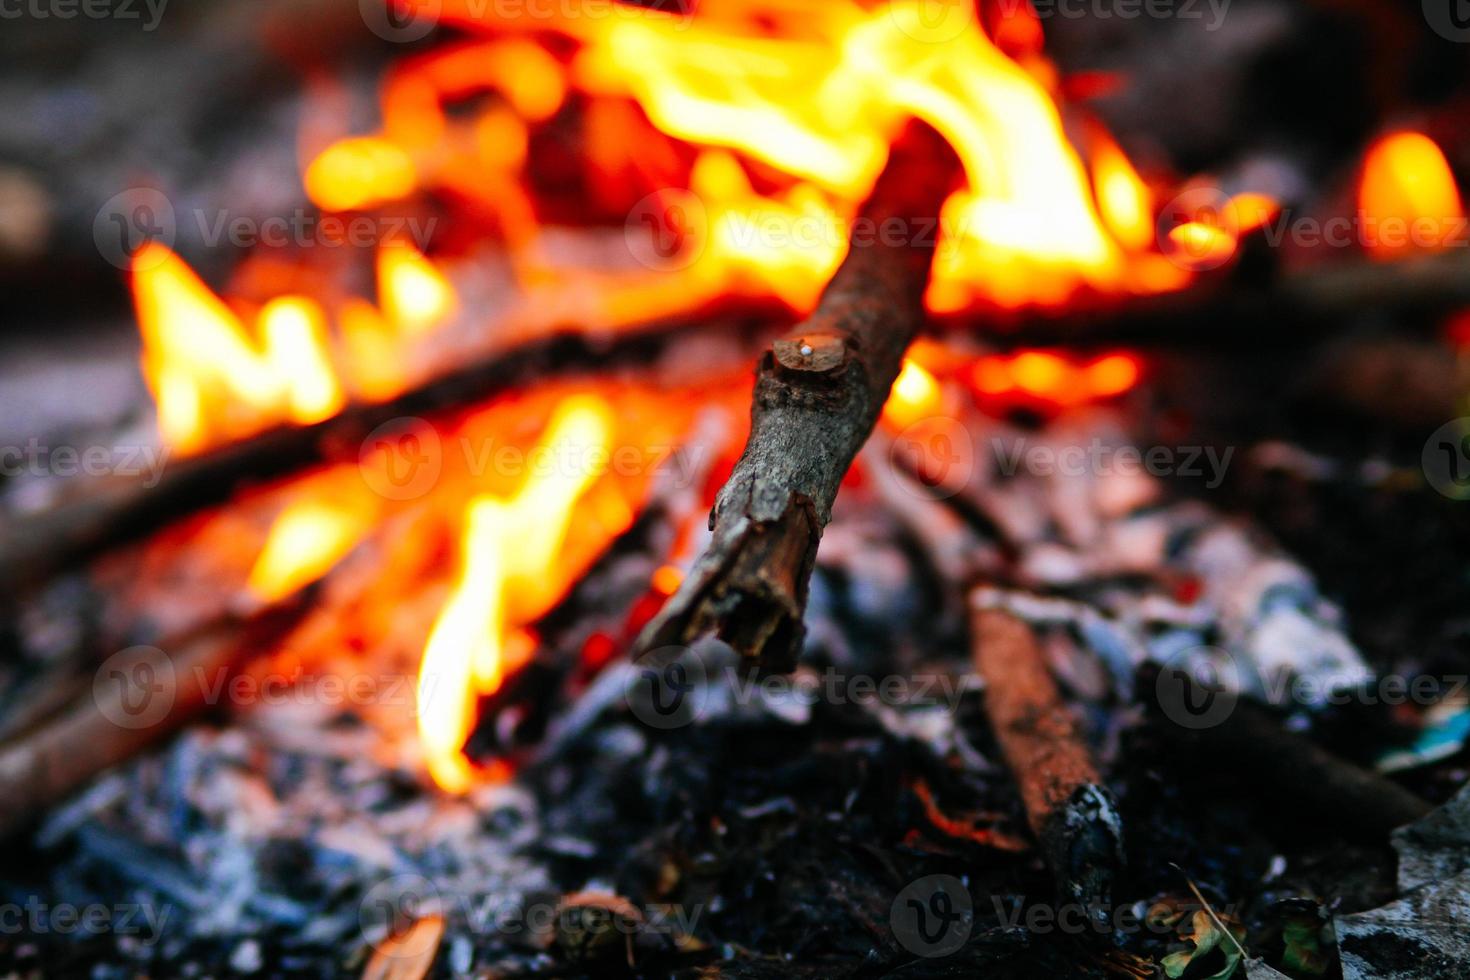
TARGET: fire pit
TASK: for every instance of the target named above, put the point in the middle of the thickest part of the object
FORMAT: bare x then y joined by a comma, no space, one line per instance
742,489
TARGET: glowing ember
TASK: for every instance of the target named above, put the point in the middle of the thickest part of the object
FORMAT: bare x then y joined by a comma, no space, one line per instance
1203,243
509,575
1050,378
1408,199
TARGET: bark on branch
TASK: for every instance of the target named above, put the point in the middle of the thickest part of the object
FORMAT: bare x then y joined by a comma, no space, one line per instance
1074,817
817,396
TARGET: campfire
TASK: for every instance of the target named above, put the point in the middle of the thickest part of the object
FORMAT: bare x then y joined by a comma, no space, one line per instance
743,488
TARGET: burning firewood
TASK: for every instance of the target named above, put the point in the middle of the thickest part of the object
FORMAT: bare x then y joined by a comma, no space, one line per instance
118,510
1072,814
818,394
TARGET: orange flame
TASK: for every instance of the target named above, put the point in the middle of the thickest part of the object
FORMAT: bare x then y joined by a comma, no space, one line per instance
1052,379
815,94
509,575
1408,199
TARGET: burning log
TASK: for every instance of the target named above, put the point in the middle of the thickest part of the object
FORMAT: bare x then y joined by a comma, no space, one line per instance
1072,814
135,702
818,394
119,510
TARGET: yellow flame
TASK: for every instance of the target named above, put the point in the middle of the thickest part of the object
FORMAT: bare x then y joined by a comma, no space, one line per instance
211,378
306,540
373,352
413,293
509,575
823,100
814,92
1122,197
295,330
195,352
916,395
1408,198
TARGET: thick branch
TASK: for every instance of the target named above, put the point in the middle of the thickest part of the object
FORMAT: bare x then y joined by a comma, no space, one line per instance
1072,814
817,396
